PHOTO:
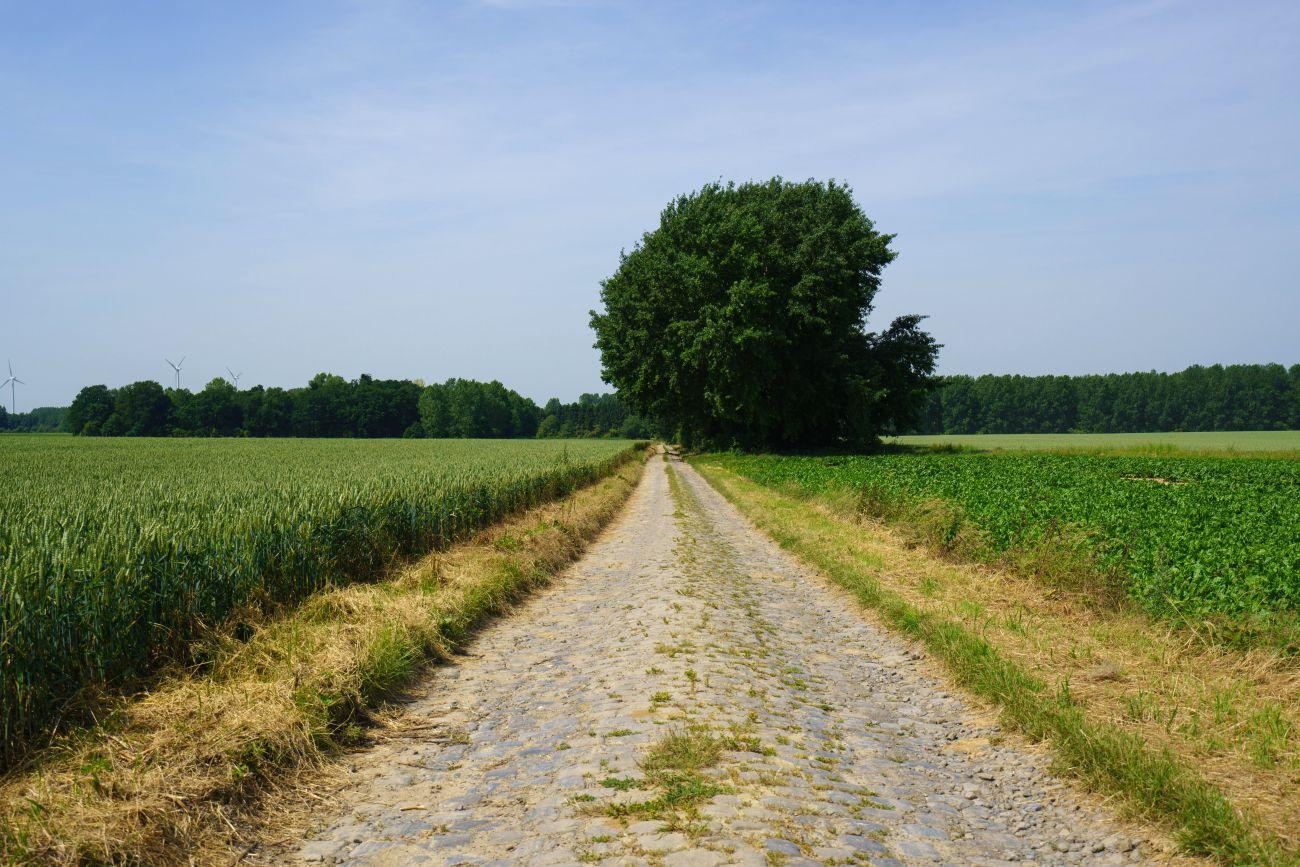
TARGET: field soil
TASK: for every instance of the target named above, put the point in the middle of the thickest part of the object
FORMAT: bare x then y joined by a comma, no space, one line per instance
688,694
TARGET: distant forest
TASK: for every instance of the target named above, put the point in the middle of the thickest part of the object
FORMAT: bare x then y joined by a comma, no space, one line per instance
43,419
331,406
1216,398
1235,397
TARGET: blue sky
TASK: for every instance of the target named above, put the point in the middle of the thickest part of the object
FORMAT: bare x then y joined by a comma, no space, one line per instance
436,189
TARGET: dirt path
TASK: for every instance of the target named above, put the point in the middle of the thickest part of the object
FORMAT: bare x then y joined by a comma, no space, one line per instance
839,747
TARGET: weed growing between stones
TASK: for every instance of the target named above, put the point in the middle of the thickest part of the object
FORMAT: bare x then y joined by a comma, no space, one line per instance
674,765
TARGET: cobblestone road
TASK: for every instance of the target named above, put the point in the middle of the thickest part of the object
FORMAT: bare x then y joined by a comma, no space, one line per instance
840,748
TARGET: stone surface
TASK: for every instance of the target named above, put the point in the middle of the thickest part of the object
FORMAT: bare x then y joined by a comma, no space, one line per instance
838,745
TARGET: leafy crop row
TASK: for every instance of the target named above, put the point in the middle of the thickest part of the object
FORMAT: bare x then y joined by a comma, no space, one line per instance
1189,535
115,553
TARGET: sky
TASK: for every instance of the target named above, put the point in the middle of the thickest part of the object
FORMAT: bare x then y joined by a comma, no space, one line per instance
436,189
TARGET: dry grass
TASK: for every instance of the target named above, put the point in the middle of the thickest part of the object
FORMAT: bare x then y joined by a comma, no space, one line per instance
1229,716
170,777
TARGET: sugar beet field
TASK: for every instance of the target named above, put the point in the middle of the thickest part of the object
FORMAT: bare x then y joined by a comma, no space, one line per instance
115,554
1186,536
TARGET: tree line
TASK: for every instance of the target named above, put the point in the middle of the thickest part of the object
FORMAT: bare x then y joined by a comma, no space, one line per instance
1218,397
1233,397
331,406
593,415
42,419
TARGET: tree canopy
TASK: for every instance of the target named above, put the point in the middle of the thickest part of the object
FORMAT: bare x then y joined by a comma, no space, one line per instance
740,320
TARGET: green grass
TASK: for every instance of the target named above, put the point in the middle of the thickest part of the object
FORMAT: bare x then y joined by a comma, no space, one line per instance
1286,441
622,784
674,765
116,554
684,750
1187,537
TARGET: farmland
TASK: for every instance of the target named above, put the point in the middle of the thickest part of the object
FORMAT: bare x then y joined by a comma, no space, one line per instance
1187,536
116,554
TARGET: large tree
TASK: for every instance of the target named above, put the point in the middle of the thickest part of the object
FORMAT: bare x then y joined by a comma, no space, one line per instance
741,320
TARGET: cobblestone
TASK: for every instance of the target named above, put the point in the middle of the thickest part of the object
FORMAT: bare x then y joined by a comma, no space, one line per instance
839,745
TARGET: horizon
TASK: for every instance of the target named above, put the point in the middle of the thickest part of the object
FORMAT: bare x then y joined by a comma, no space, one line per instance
427,192
605,389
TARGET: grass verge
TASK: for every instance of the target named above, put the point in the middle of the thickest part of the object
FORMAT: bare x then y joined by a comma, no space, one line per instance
947,607
167,777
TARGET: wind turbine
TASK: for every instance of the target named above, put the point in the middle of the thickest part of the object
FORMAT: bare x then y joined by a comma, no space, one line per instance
176,367
235,377
12,382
